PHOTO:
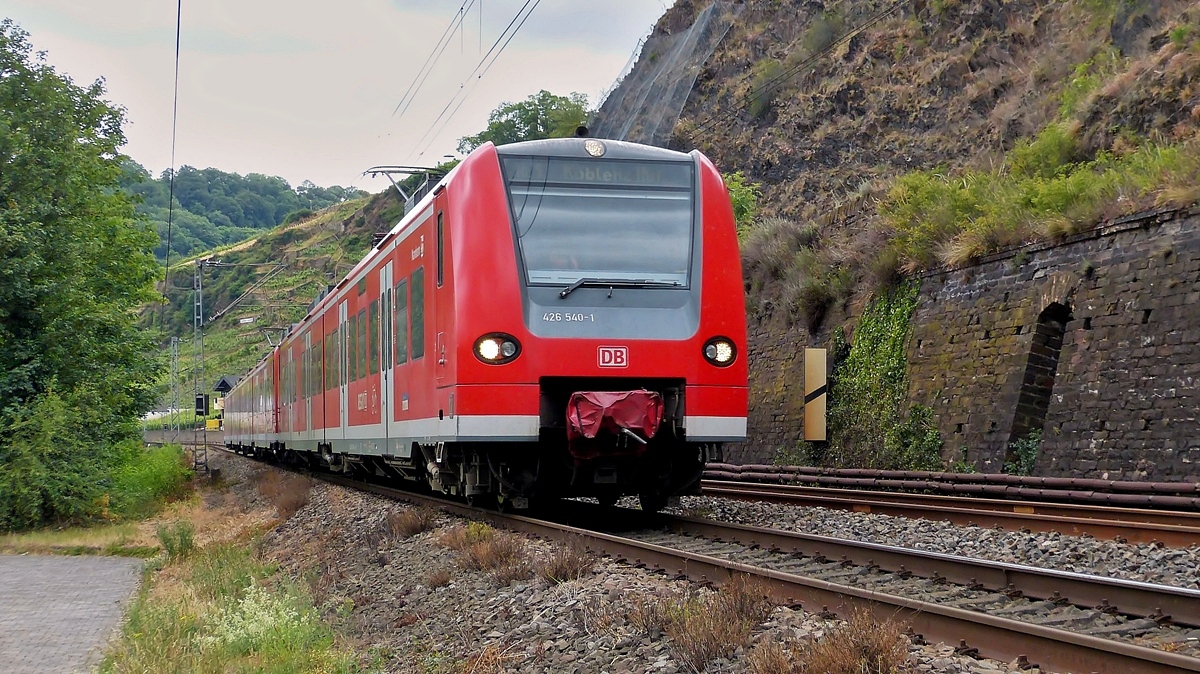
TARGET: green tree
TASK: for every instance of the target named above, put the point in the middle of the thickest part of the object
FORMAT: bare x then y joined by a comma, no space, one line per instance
542,115
74,267
214,208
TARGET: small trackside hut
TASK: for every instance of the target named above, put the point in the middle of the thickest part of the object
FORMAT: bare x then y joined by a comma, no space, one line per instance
555,318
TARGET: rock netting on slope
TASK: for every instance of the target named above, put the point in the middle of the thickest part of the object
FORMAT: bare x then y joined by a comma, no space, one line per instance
1152,563
377,588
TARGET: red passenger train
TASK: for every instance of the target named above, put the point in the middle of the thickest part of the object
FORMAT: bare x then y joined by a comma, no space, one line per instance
555,318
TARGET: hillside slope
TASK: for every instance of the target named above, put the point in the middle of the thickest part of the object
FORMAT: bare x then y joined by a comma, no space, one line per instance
311,254
948,82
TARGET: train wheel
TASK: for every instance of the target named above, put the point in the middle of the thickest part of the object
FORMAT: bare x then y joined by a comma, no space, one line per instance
608,500
652,502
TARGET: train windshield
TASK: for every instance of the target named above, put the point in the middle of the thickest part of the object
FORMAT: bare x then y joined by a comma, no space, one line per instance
609,219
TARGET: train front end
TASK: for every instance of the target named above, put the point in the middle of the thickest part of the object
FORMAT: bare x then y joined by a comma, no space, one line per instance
619,334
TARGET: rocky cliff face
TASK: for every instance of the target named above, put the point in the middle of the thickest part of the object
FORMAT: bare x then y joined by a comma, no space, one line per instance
926,84
827,103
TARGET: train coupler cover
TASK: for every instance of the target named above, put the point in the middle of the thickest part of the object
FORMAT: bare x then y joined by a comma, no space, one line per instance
631,417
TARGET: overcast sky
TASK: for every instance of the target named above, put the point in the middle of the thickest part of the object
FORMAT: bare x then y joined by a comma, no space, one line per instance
306,89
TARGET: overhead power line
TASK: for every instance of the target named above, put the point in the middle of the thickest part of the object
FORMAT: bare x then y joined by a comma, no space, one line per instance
478,72
431,61
171,190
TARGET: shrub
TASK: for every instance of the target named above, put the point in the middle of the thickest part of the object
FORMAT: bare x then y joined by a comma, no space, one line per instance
822,32
460,538
411,522
296,216
286,491
861,645
703,628
1043,190
744,195
1023,454
148,477
482,548
570,562
766,81
869,390
178,539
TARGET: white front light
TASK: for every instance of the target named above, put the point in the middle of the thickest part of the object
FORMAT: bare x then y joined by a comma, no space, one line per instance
489,349
497,348
719,351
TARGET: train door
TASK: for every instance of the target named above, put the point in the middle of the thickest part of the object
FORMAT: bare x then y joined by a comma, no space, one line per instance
306,389
442,304
343,384
289,379
386,402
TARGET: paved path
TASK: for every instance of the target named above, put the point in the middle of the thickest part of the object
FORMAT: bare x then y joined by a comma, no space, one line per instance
57,613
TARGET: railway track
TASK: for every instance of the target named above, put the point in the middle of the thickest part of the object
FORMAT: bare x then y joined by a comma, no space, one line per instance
1136,525
1060,621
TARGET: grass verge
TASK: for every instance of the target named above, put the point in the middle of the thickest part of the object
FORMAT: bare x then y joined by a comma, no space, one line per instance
221,610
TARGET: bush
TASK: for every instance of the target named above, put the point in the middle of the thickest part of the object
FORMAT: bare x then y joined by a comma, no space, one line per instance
296,216
861,645
1023,454
147,478
744,195
61,461
286,491
869,391
1043,191
765,84
570,562
178,539
706,627
411,522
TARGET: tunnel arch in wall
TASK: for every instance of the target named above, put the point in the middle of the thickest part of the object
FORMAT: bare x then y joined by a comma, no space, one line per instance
1041,368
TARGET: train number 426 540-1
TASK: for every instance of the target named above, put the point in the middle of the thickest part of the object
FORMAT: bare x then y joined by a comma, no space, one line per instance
560,317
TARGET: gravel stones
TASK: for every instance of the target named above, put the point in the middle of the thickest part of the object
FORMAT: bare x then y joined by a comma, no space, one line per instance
1153,563
380,590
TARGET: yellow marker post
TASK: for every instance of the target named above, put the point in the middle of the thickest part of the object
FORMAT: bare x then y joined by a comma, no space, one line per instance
816,391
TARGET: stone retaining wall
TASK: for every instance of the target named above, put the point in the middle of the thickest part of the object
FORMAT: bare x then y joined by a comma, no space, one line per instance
1096,340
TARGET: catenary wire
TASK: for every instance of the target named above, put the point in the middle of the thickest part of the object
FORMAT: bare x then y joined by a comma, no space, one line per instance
431,61
481,64
171,190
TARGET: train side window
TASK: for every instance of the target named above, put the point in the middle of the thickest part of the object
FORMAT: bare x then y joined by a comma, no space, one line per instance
373,338
401,322
440,256
352,349
362,343
326,370
337,359
418,313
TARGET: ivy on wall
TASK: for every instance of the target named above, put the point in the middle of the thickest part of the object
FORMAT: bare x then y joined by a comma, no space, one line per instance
871,424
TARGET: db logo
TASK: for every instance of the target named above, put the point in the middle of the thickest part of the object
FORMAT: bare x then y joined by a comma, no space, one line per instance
614,356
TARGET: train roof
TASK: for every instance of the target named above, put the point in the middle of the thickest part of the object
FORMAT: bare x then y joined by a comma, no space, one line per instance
578,147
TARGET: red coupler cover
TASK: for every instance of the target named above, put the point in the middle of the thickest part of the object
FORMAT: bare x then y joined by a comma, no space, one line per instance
590,412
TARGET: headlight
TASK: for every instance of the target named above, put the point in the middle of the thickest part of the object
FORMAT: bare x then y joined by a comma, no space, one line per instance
719,351
497,348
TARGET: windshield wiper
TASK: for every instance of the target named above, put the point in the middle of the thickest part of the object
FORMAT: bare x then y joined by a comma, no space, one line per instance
615,283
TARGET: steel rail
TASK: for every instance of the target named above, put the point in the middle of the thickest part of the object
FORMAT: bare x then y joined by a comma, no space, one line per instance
1181,605
989,636
1176,529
